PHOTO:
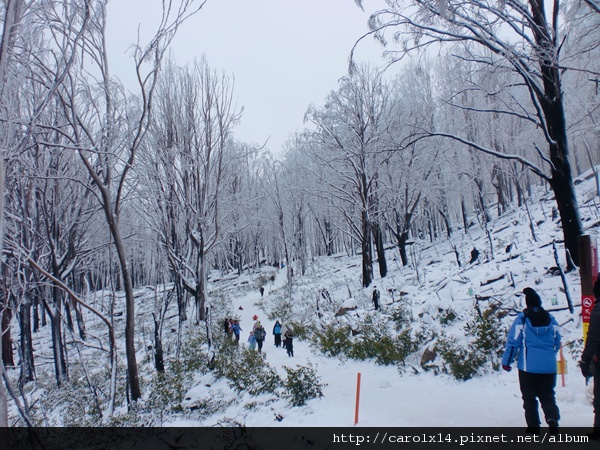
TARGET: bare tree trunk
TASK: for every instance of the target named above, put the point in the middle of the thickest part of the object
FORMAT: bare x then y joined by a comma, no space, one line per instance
132,371
6,316
7,351
380,248
158,348
27,363
301,241
463,210
60,369
366,249
201,276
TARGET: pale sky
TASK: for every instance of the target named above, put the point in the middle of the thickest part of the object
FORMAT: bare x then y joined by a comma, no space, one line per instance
284,54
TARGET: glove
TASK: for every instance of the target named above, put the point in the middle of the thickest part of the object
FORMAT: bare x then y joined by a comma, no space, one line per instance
507,368
585,369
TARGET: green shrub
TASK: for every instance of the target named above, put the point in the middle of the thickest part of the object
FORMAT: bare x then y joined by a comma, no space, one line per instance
463,363
385,350
193,352
376,341
246,370
168,388
487,343
334,341
489,334
280,308
299,330
401,316
447,316
302,384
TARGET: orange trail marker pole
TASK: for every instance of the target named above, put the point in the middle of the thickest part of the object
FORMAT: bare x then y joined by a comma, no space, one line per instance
562,366
357,398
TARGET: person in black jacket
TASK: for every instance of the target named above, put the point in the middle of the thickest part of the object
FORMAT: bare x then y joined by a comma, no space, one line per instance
375,298
590,366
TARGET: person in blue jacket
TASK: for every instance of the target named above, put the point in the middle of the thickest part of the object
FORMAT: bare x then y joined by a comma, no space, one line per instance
236,330
535,339
277,333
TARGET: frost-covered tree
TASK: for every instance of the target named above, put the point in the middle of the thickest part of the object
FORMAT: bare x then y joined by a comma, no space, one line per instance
351,143
193,157
103,127
524,37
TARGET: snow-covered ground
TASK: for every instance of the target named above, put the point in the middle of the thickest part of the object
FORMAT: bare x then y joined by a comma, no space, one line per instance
387,398
390,396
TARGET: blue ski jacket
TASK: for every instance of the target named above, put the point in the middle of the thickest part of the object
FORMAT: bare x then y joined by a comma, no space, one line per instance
536,346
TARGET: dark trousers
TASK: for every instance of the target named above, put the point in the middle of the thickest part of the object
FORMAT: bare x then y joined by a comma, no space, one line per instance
596,401
538,386
260,343
289,346
278,340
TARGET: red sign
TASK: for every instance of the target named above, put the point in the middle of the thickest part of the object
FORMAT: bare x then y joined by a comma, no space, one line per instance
588,271
587,303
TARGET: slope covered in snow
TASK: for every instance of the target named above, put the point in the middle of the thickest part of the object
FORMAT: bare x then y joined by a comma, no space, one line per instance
435,299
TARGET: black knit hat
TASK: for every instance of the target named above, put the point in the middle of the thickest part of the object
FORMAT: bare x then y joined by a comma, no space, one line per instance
597,287
532,299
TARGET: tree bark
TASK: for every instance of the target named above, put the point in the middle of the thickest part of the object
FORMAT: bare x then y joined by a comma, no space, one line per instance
380,248
27,362
552,105
366,249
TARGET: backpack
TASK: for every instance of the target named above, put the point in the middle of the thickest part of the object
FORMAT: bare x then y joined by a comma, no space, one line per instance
259,334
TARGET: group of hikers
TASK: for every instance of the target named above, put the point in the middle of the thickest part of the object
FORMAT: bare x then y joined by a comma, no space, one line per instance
534,340
258,334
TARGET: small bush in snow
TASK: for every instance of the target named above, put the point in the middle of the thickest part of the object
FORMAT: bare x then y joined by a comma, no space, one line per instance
168,388
488,333
377,341
246,370
462,362
280,308
385,350
193,352
402,316
334,341
299,330
447,316
487,342
302,384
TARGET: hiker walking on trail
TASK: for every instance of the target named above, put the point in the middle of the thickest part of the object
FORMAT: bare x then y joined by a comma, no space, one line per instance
252,341
259,334
590,365
235,327
277,333
289,342
535,338
226,326
375,298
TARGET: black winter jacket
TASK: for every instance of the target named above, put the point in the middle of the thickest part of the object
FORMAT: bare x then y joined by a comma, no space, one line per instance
592,341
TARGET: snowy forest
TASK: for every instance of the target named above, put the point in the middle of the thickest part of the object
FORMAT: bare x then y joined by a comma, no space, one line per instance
134,222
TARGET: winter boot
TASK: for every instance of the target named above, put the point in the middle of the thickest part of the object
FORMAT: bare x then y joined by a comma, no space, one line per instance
595,434
553,426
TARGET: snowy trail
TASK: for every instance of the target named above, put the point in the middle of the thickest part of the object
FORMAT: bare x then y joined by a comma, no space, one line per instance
389,398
